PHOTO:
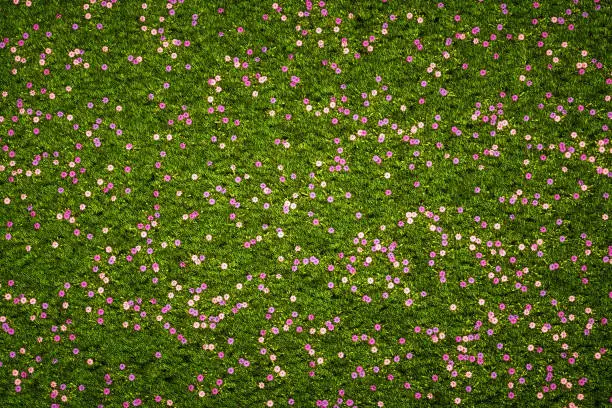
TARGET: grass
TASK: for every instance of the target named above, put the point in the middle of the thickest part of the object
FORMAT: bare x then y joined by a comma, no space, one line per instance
368,234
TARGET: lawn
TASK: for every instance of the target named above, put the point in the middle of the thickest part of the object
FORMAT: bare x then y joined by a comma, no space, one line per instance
334,203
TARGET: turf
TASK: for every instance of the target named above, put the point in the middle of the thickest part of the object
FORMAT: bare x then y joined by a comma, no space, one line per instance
332,204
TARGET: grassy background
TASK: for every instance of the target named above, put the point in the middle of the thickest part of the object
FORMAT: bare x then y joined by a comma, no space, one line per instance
31,268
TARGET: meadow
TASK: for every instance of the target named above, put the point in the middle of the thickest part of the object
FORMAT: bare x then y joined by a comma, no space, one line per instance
334,203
